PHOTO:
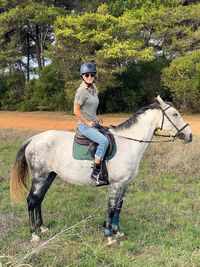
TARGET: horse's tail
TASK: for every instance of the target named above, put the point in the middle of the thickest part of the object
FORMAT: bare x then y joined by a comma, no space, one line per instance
19,182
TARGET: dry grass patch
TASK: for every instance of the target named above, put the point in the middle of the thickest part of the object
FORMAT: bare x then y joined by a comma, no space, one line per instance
181,159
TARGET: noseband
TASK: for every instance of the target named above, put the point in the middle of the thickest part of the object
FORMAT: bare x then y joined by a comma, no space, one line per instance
165,115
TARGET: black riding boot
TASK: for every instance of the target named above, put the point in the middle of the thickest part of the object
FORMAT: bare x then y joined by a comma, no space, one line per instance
97,175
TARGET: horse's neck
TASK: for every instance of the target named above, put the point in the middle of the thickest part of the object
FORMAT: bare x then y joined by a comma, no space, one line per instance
145,126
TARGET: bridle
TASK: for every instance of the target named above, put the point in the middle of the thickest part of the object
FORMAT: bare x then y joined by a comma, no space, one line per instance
172,137
163,117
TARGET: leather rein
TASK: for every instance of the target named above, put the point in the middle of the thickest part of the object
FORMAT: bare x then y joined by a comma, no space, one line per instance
173,137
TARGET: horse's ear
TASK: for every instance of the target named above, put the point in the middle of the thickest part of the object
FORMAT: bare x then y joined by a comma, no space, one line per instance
159,100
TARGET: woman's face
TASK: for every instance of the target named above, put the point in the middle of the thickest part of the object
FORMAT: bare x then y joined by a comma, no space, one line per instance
89,77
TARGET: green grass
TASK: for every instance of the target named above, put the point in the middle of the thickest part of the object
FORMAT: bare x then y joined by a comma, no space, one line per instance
160,215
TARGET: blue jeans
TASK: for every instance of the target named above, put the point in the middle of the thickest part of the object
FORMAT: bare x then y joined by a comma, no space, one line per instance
97,137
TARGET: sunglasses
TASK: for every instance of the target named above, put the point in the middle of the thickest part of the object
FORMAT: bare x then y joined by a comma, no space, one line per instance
87,75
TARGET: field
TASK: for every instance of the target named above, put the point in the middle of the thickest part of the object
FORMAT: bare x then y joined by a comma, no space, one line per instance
41,121
160,215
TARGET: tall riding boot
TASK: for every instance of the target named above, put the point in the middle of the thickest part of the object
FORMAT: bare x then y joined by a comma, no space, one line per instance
97,175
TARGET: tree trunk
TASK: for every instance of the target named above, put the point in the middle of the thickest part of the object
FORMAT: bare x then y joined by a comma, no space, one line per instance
28,58
38,48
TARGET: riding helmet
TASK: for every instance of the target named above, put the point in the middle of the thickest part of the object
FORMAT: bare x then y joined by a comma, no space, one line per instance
88,68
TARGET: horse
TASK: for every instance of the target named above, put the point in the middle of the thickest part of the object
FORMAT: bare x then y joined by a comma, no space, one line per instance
49,153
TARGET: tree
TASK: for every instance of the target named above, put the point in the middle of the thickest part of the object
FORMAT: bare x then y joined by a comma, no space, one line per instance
182,79
109,41
137,85
129,41
46,93
26,29
174,31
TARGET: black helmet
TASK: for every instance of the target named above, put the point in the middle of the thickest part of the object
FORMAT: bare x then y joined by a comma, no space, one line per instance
88,68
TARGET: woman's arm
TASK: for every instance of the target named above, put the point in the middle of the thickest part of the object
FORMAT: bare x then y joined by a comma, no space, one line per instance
79,115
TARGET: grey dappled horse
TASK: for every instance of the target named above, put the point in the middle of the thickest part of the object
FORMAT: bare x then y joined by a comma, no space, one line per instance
50,153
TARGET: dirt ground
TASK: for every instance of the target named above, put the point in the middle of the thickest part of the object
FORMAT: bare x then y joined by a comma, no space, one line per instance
41,121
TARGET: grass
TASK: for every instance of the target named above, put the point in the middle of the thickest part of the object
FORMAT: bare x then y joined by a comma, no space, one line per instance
160,215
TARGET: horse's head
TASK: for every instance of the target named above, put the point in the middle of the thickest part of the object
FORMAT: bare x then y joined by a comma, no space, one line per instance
173,122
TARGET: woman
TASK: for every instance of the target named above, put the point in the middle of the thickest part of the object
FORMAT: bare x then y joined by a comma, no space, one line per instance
85,106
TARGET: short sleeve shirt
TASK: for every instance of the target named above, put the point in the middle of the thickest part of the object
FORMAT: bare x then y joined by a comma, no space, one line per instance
88,100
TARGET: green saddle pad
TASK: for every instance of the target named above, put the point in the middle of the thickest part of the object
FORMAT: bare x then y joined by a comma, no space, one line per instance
81,152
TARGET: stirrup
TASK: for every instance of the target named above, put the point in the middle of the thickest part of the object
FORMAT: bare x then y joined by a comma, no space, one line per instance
98,181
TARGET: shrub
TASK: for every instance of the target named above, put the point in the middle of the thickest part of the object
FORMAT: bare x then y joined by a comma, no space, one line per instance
46,93
12,90
182,78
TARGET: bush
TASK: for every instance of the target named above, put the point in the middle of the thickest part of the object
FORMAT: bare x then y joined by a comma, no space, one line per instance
182,78
137,86
46,93
12,90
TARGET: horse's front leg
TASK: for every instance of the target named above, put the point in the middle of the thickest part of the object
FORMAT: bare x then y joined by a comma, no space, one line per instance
111,229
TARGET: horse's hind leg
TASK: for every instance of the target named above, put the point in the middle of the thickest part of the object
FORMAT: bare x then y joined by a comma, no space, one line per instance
38,190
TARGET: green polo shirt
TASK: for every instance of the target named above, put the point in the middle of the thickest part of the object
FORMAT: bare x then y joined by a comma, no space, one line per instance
88,100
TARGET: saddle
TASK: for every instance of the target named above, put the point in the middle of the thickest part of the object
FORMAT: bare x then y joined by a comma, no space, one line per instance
85,149
91,146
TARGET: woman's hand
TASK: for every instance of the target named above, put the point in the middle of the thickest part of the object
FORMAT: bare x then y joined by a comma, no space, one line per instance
90,124
98,121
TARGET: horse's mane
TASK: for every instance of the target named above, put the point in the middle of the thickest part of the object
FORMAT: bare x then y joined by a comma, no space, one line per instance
134,118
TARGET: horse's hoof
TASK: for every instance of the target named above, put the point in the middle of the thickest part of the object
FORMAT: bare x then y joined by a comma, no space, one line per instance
35,238
43,229
111,241
115,227
120,236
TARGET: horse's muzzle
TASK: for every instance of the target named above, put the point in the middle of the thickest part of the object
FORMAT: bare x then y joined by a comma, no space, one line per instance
184,137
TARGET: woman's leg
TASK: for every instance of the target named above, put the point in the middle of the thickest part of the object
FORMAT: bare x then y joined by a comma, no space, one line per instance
103,144
97,137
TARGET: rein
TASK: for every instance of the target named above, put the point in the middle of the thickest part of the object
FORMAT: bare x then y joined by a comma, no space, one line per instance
173,137
149,141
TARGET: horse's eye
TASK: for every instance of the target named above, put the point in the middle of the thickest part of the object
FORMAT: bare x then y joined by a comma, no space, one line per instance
175,114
